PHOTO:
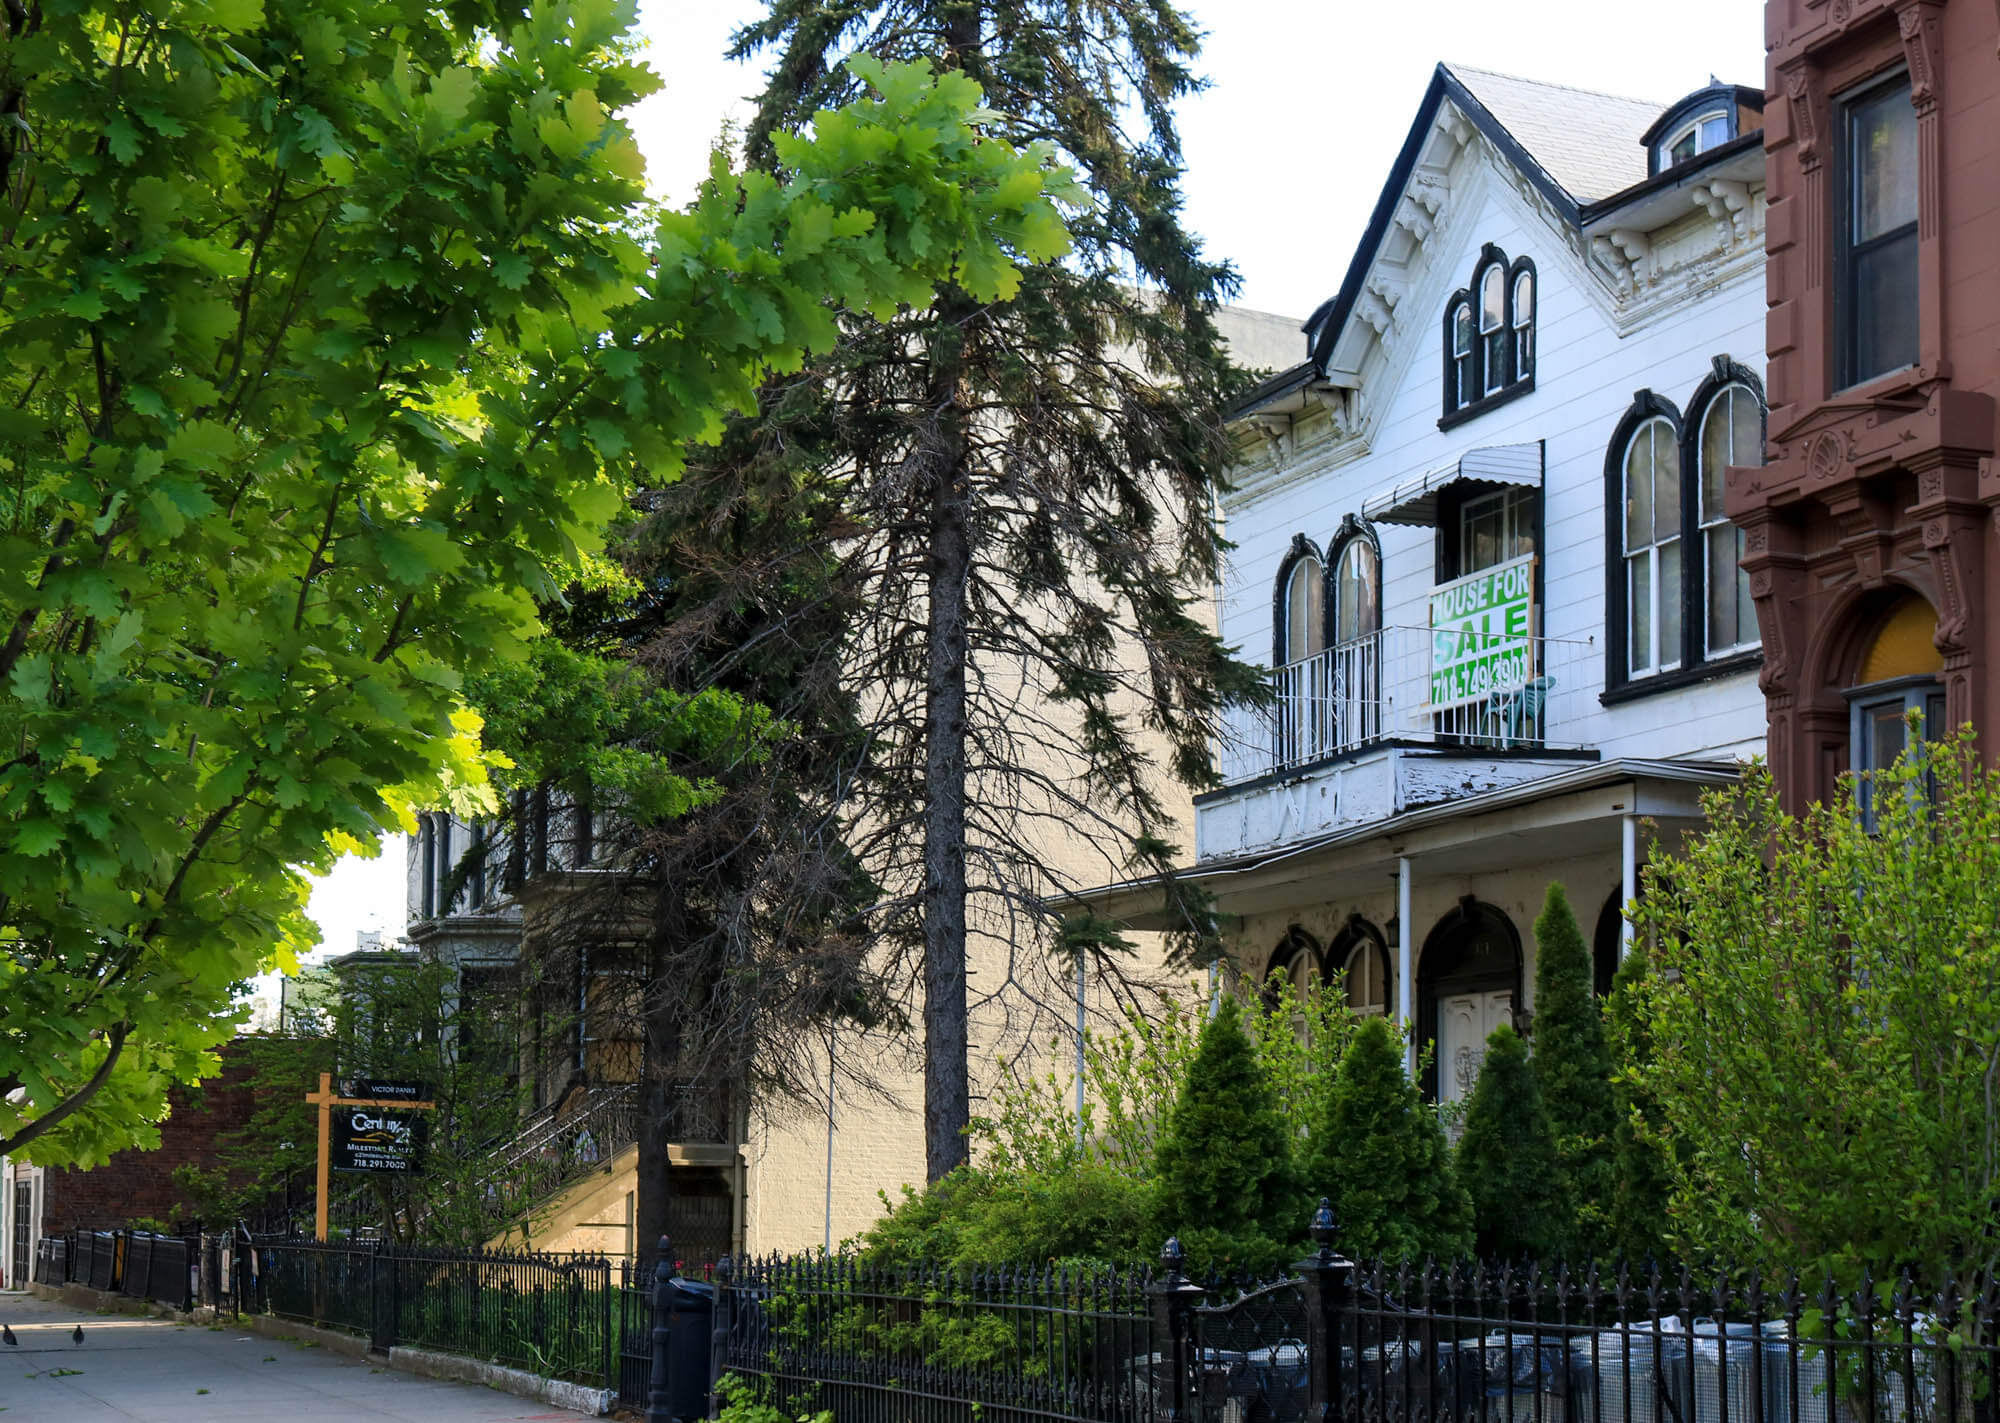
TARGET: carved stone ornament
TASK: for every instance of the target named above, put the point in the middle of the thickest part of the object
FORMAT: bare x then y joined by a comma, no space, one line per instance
1918,24
1805,127
1824,462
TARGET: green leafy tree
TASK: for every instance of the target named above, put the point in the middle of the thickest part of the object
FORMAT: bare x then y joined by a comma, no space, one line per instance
393,1019
1573,1070
1507,1159
1378,1153
1030,484
1134,1073
333,333
1824,1020
1642,1175
1223,1177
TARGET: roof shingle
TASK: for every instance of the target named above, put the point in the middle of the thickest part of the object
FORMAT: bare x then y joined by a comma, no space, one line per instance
1588,142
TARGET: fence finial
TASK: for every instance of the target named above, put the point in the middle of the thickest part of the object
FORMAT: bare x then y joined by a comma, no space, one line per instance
1172,1257
1324,1228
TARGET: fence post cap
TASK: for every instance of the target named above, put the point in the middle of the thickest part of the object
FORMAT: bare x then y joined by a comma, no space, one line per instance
1172,1257
1324,1227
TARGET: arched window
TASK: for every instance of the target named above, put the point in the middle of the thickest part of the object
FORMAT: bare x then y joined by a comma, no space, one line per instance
1300,672
1356,685
1732,433
1652,503
1489,337
1305,610
1463,382
1357,589
1524,323
1493,328
1366,972
1298,958
1898,675
1676,595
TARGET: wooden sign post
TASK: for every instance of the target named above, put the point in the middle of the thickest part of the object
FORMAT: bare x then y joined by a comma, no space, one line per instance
326,1101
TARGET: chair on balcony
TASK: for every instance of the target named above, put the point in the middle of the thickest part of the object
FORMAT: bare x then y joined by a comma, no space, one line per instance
1515,715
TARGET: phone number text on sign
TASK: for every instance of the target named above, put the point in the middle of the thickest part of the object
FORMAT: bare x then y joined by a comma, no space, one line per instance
1481,632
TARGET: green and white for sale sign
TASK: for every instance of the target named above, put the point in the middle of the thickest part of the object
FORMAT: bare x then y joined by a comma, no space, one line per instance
1482,630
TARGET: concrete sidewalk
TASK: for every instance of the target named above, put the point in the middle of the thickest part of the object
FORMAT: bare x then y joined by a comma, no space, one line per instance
167,1372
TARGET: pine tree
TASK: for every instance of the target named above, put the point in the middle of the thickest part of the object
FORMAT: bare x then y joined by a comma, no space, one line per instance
1379,1154
1222,1173
1507,1159
1573,1068
1029,484
1642,1175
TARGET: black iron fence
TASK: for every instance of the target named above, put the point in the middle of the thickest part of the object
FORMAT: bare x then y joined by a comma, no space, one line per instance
178,1271
555,1315
1331,1341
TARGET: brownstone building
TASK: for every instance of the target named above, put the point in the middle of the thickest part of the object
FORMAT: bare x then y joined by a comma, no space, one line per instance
1870,531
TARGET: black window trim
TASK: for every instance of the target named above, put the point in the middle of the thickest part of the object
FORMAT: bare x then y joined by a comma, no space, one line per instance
1695,665
1302,547
1646,405
1352,528
1723,373
1845,330
1515,383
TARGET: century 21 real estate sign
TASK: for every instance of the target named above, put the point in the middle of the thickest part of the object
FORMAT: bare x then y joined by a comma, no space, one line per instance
381,1135
1481,626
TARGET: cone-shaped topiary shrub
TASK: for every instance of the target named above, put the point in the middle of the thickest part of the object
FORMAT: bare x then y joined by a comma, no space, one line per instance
1573,1068
1222,1174
1507,1159
1379,1154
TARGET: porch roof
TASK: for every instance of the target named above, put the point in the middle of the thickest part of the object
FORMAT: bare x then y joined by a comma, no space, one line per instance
1566,813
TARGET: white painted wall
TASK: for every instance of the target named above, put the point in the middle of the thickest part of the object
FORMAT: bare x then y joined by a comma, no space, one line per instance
1587,373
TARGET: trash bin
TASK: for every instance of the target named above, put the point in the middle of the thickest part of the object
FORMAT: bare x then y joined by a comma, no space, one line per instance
691,1326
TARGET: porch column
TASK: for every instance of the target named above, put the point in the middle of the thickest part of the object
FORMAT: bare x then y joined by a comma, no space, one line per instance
1404,928
1628,833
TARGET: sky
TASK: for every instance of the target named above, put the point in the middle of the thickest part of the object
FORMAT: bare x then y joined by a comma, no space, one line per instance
1286,152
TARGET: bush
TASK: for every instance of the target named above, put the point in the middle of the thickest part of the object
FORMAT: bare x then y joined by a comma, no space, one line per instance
1087,1213
1573,1069
1507,1159
1378,1153
1222,1176
1825,1047
1642,1175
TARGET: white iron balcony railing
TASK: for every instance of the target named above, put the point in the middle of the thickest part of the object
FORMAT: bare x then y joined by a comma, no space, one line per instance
1404,684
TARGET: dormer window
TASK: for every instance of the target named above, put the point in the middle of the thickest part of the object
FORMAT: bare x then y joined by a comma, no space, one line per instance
1489,337
1701,123
1708,131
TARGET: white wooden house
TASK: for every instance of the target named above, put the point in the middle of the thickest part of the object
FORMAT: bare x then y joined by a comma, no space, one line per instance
1478,535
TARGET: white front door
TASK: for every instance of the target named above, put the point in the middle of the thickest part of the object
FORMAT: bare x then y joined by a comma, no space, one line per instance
1465,1021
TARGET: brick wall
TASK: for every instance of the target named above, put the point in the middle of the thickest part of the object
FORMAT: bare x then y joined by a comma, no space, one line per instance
138,1183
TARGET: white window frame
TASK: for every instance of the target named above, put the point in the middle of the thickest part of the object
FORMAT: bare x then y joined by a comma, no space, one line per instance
1649,555
1311,567
1494,376
1707,520
1695,126
1524,326
1517,525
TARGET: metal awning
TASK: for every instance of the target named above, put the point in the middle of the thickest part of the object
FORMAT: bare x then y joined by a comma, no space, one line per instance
1414,501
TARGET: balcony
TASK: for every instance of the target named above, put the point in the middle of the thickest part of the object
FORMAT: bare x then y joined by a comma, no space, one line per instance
1405,717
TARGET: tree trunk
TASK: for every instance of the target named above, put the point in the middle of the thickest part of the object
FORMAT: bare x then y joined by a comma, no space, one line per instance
653,1203
947,1091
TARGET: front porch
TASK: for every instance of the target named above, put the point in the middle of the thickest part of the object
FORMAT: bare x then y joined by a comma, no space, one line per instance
1432,906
